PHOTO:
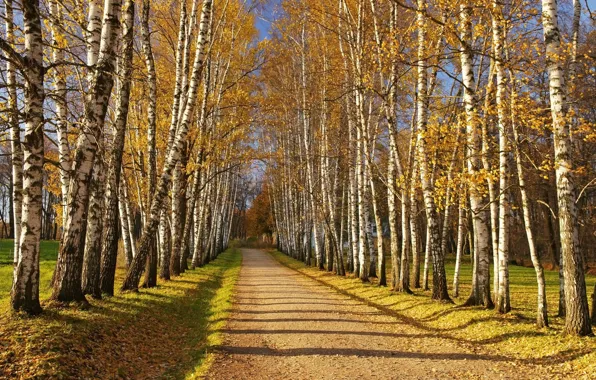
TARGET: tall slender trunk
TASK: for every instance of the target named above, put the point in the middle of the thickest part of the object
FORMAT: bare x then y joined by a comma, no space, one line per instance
414,232
503,302
433,231
135,272
460,242
113,181
381,275
577,320
393,223
165,237
449,195
67,276
24,294
60,102
480,294
128,254
541,312
151,271
493,222
15,139
178,211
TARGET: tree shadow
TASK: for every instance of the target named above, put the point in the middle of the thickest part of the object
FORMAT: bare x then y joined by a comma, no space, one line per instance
294,303
318,320
302,311
315,351
116,337
443,332
327,332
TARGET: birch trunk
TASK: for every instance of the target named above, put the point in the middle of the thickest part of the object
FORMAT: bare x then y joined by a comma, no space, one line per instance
130,217
542,311
493,222
352,151
577,320
178,211
134,274
381,275
503,303
480,294
151,271
15,138
92,254
67,284
60,102
414,235
24,294
109,245
433,231
128,255
460,243
165,237
393,225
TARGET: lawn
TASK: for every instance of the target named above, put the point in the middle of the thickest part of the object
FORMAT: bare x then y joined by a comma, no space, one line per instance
47,262
165,332
513,335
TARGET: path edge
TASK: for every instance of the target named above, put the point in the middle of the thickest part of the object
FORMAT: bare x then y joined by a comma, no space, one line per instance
220,322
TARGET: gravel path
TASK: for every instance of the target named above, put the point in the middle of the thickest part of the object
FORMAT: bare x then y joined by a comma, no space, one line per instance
287,326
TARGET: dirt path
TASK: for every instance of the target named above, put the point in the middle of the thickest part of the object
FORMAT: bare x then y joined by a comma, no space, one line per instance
286,326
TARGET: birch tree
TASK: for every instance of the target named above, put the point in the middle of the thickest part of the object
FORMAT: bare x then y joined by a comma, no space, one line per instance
577,320
15,135
67,276
25,287
481,282
134,273
109,242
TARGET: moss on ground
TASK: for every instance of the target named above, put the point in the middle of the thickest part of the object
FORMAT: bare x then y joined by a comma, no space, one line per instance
513,335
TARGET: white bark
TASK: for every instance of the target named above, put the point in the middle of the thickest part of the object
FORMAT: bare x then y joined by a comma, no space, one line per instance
503,302
460,241
128,255
134,274
67,277
481,283
61,104
25,287
542,311
433,247
577,320
15,137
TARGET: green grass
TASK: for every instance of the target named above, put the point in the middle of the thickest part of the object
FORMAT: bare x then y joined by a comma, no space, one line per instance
513,335
47,262
164,332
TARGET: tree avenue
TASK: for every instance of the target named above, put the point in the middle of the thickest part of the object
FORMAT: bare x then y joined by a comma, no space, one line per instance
388,138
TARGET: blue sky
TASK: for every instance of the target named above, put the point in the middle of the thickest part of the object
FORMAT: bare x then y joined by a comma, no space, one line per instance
266,10
265,14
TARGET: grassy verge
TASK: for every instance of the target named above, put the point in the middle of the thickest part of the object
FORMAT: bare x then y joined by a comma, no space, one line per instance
165,332
513,335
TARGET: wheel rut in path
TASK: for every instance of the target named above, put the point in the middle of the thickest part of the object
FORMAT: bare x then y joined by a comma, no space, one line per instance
287,326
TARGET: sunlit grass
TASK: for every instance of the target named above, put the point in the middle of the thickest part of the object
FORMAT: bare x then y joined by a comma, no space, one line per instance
166,331
47,262
513,335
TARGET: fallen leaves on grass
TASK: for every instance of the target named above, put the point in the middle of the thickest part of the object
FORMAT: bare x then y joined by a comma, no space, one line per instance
160,332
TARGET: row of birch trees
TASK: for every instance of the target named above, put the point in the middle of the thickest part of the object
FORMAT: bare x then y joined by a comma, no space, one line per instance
400,132
138,112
